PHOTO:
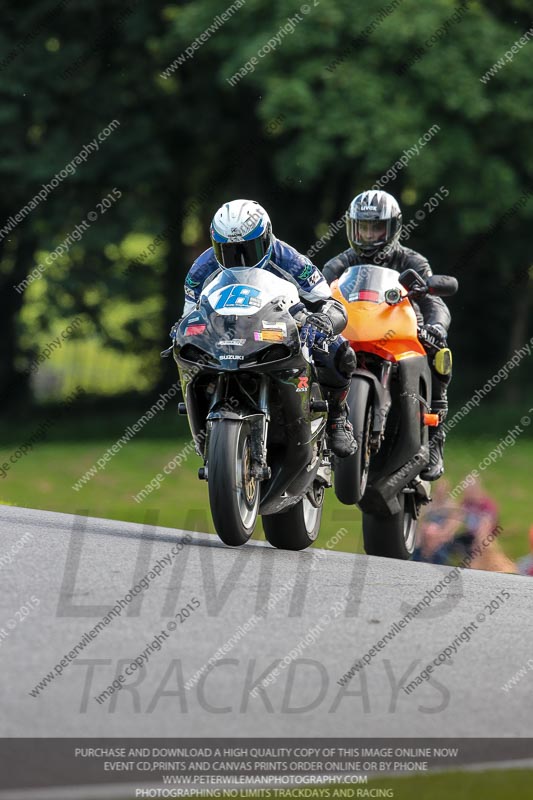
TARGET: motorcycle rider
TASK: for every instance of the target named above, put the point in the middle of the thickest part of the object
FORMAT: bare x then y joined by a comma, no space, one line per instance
373,226
241,236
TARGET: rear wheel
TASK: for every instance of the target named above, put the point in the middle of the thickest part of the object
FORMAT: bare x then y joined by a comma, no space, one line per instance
233,492
351,473
393,536
298,527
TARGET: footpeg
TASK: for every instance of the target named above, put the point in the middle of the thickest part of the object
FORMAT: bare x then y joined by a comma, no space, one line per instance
421,490
319,405
202,473
323,475
182,409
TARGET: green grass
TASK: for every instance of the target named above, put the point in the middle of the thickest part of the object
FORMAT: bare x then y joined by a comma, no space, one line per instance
44,477
490,785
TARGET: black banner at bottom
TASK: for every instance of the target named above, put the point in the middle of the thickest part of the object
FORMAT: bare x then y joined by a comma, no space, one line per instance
192,767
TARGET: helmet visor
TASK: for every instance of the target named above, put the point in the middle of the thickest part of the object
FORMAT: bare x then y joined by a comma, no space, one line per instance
232,255
371,232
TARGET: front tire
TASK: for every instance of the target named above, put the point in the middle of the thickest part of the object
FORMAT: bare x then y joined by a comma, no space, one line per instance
351,473
393,536
233,492
296,528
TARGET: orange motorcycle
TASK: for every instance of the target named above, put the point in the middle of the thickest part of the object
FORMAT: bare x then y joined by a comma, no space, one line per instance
390,403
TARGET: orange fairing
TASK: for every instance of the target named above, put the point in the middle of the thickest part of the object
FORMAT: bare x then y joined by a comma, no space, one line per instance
389,331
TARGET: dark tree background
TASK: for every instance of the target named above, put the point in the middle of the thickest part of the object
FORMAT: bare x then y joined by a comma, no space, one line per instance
322,117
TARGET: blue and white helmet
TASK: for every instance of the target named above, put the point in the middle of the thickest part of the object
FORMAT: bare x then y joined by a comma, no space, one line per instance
241,234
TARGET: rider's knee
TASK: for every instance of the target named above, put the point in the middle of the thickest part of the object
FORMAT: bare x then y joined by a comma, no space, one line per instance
345,359
441,364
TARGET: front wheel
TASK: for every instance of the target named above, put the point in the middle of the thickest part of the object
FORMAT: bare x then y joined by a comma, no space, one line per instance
393,536
233,491
298,527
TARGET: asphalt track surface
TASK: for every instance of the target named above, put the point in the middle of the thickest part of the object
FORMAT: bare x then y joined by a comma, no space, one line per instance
77,568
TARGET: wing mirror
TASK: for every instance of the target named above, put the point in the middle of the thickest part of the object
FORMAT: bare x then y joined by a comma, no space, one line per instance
442,285
437,285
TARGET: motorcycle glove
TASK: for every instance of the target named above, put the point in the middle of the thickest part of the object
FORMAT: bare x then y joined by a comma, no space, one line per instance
174,331
434,335
316,329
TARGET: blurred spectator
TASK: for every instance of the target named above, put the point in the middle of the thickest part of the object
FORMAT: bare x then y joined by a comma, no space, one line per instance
433,542
491,557
525,564
448,533
480,520
477,505
439,522
443,509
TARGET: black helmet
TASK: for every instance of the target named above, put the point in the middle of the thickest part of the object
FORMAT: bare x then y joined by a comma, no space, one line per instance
373,223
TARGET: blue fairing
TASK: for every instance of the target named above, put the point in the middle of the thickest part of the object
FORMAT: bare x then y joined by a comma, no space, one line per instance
285,262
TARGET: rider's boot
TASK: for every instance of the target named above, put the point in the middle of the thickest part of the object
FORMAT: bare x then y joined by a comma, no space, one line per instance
339,427
437,438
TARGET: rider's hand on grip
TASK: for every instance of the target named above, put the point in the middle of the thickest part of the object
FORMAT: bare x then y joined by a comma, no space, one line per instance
174,331
434,335
316,330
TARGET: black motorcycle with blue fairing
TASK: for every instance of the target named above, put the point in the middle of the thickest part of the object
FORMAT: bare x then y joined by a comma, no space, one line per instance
265,376
255,408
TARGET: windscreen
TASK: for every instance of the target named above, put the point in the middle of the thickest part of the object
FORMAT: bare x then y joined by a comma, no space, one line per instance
368,282
246,291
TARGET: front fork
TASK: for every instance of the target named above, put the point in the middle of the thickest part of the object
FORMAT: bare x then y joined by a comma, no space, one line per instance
381,410
258,423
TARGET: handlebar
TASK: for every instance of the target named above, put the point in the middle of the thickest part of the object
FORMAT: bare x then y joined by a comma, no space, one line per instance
436,285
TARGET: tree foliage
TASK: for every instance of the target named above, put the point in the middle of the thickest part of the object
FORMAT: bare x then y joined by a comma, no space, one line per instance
323,115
